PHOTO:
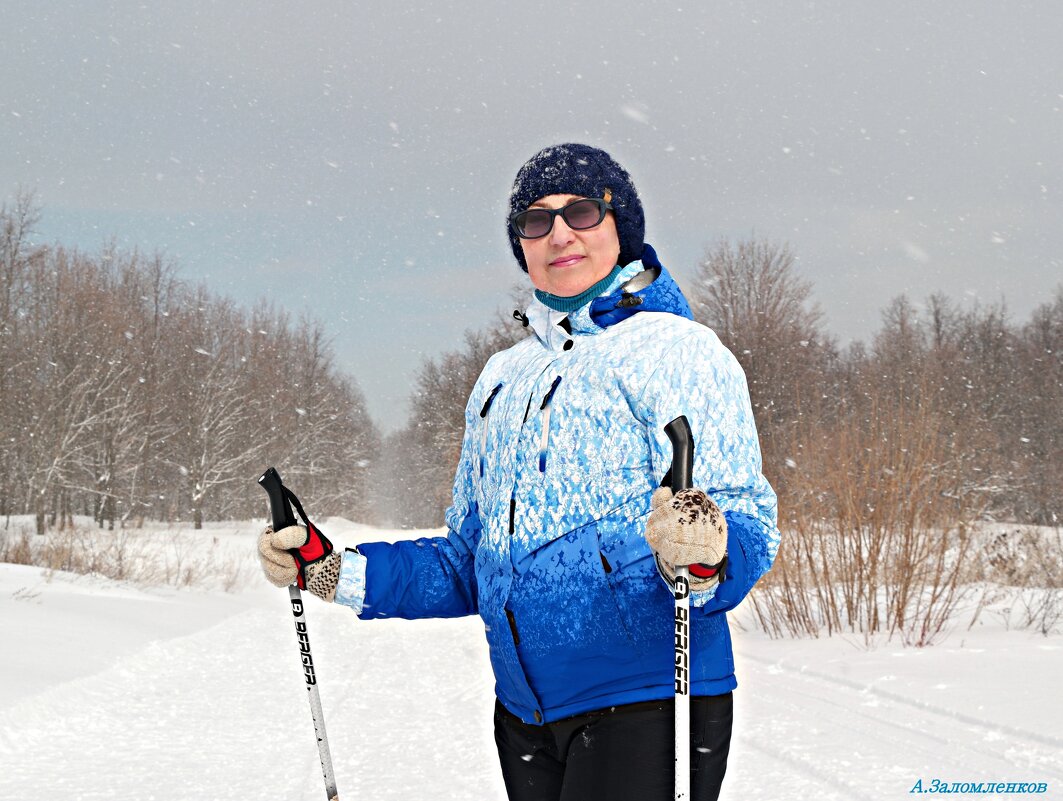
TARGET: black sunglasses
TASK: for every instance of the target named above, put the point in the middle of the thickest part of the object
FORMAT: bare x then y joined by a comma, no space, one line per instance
579,215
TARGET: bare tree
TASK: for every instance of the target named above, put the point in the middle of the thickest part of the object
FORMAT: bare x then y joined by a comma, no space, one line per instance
214,407
750,294
128,393
332,444
17,223
151,288
421,460
1038,435
72,345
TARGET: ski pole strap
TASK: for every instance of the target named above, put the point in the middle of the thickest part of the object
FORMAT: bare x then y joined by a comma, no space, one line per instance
698,570
294,501
703,571
317,545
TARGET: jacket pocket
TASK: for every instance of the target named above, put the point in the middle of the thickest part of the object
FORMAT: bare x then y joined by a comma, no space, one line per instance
563,588
613,580
643,604
513,626
621,618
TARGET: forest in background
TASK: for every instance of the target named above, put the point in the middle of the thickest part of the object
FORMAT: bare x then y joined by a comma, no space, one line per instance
890,458
960,395
131,395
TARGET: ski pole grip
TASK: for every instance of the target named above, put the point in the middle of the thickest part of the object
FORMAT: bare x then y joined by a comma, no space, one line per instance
679,433
279,508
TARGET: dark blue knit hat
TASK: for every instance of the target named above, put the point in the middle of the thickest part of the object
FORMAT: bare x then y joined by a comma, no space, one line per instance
580,170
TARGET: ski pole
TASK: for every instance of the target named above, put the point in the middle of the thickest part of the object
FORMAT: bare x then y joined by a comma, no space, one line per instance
281,512
682,439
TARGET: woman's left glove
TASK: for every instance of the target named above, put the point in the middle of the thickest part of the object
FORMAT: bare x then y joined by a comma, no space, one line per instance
688,529
317,569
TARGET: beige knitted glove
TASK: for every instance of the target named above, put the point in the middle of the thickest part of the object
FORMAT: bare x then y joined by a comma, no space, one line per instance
687,529
281,568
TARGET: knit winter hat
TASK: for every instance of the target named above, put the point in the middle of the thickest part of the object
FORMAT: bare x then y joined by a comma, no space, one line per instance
573,169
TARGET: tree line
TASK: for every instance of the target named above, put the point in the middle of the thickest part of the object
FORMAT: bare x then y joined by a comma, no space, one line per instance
130,394
991,390
886,455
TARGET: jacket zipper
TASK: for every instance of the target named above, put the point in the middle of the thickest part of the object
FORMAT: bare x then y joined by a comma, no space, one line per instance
544,442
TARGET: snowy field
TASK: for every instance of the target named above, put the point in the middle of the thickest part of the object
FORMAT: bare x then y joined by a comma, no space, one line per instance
115,690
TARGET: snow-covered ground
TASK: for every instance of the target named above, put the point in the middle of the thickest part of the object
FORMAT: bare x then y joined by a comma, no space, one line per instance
114,691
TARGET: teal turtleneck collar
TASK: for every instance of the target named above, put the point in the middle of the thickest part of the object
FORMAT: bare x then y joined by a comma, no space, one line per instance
558,303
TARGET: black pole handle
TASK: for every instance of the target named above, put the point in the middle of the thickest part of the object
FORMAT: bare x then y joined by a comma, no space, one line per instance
279,507
679,433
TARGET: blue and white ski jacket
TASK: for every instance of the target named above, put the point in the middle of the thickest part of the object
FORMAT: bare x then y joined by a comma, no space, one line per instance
564,445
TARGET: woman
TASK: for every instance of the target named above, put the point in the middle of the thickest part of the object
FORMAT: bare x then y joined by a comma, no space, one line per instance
561,535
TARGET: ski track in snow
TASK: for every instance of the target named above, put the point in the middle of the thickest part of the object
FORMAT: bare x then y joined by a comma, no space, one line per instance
870,689
107,694
222,712
888,741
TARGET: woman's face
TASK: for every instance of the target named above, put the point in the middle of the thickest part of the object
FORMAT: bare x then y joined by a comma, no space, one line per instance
566,262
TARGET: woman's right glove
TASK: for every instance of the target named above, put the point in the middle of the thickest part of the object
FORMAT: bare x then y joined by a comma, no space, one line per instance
297,555
688,529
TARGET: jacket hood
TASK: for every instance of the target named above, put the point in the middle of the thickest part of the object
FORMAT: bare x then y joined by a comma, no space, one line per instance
651,289
643,285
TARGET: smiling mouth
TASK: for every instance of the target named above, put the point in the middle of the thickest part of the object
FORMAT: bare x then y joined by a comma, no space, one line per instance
566,261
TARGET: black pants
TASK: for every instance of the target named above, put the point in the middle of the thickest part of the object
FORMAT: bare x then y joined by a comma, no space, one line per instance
615,754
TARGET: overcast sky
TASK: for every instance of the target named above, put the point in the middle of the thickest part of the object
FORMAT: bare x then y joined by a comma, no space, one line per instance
354,159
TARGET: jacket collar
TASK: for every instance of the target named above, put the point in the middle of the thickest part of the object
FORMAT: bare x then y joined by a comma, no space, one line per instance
643,285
